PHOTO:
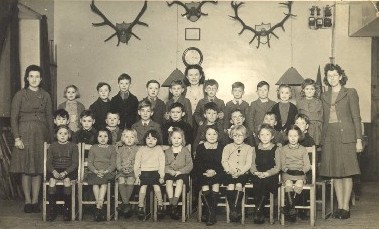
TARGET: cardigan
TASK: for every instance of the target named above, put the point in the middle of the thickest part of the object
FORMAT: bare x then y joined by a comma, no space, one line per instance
292,112
256,113
159,109
32,106
141,130
198,115
74,123
348,114
187,107
62,156
150,159
237,158
102,158
127,109
182,162
230,107
100,110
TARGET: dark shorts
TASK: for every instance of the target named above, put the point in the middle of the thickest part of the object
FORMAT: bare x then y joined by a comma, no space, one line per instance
73,175
149,178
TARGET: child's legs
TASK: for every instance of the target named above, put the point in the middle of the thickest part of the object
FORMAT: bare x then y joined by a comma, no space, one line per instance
288,186
125,187
205,188
52,186
67,186
26,182
178,188
96,191
142,195
238,187
298,187
230,187
158,194
169,189
216,187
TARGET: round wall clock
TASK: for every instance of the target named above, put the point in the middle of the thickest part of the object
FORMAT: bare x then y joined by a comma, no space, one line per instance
192,55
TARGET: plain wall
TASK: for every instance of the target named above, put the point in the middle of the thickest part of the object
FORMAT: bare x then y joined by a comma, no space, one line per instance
84,59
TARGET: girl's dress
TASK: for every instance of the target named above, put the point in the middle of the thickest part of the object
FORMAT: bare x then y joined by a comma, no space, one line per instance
179,161
63,157
125,159
101,158
294,159
236,157
209,159
313,109
74,109
32,121
149,165
266,160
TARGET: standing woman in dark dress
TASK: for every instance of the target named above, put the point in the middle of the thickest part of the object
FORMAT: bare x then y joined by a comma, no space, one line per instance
341,136
31,121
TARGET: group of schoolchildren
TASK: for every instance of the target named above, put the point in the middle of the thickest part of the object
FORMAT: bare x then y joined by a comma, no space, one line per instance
230,144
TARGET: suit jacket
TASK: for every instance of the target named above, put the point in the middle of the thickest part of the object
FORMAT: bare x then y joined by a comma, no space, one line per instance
348,114
159,109
292,112
128,109
256,113
141,130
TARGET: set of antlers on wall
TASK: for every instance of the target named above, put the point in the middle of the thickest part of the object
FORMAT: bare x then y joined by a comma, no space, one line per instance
263,32
193,9
123,31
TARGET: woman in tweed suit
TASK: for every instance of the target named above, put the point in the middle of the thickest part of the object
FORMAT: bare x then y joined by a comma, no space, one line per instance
341,137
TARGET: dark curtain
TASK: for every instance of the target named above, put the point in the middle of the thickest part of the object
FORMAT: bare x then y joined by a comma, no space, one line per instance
9,22
45,55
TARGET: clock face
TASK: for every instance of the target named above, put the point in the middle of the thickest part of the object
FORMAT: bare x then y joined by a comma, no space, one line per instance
192,56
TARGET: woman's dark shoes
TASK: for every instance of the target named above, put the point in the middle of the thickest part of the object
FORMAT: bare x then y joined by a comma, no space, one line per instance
336,213
160,213
28,208
344,214
35,208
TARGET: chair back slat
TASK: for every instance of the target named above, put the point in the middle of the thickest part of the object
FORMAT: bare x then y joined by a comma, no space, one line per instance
83,159
45,149
312,157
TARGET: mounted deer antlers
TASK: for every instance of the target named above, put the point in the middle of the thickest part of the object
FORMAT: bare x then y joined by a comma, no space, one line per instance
193,9
123,30
263,32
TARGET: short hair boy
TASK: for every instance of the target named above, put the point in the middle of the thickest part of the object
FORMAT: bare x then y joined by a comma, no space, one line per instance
302,121
102,105
87,134
125,103
176,120
177,88
237,118
112,121
159,107
61,117
145,124
258,108
238,90
210,90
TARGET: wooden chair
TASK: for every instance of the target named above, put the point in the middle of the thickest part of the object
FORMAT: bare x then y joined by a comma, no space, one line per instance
223,202
82,184
45,184
325,213
246,204
311,187
185,202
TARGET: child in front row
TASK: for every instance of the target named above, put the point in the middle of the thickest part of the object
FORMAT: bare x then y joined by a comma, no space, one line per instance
126,153
178,166
87,134
176,120
102,164
237,103
145,124
209,172
62,164
149,168
294,164
236,160
264,169
72,106
177,88
284,110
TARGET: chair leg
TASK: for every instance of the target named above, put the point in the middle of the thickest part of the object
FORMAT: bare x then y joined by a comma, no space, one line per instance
313,207
80,201
199,207
73,207
243,206
282,205
271,208
323,203
184,203
115,201
108,202
44,202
